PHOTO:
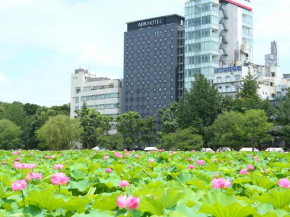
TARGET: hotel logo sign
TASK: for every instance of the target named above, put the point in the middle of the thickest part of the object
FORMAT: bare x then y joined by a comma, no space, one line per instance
144,24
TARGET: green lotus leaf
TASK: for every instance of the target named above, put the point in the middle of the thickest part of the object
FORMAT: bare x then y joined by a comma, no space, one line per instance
218,197
188,211
81,185
183,177
231,210
95,213
152,205
170,197
44,199
78,174
267,209
279,199
106,203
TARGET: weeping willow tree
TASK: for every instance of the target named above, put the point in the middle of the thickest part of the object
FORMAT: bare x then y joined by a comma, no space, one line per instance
59,133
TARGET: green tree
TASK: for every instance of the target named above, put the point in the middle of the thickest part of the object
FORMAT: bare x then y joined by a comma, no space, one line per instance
249,88
186,139
199,106
16,114
256,127
30,109
2,111
59,133
62,110
107,124
9,135
285,132
92,124
128,124
168,120
283,111
112,142
148,129
227,130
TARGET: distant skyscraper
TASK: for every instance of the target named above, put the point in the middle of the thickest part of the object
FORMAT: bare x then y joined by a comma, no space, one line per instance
153,64
218,33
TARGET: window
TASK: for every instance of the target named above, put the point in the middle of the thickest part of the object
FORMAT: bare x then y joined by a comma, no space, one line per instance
77,99
78,89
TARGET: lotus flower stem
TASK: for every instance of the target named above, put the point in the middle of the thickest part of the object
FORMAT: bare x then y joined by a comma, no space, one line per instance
23,197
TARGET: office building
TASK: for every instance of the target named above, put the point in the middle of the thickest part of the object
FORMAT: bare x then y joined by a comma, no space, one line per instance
102,94
153,64
218,34
228,80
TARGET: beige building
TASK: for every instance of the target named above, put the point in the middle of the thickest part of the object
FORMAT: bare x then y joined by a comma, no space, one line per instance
102,94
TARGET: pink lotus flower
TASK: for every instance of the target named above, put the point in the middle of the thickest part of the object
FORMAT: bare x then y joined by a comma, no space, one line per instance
216,175
137,156
52,156
130,166
18,185
4,162
59,179
106,157
151,160
256,158
127,154
284,183
108,170
17,165
46,157
251,167
221,183
129,203
123,183
28,177
17,159
191,167
214,160
200,162
244,171
36,175
58,166
190,159
22,155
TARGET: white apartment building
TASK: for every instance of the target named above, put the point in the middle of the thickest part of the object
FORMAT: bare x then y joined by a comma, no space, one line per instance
283,87
218,34
102,94
228,80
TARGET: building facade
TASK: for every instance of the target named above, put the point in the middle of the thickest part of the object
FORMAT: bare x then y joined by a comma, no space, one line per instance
102,94
153,64
229,80
218,34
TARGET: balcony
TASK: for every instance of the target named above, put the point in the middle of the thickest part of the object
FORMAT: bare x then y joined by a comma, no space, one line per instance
224,80
228,90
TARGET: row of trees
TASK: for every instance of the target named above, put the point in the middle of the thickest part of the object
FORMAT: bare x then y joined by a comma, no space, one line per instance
202,117
244,120
20,122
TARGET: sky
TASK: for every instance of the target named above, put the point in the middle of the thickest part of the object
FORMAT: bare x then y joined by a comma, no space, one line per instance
42,42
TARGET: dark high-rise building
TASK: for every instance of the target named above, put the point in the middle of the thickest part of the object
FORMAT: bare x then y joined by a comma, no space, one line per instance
153,64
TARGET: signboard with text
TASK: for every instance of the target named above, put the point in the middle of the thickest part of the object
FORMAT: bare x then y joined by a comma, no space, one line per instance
228,69
148,23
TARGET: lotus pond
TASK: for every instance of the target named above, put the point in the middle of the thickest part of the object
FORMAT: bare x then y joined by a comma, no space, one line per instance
174,184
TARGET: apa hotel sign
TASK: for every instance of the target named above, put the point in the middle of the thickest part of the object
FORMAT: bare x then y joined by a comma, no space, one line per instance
147,23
